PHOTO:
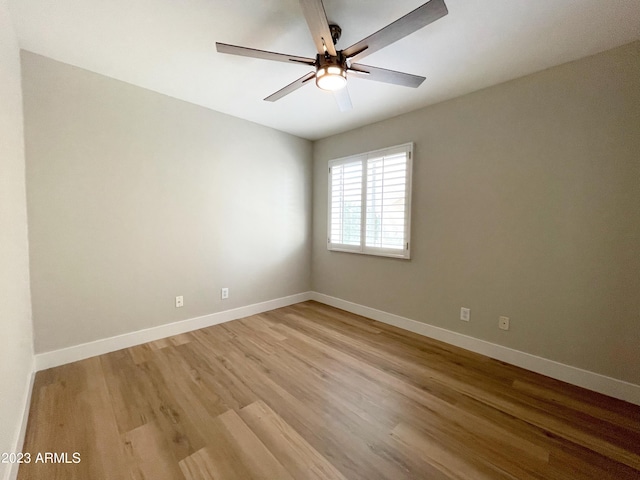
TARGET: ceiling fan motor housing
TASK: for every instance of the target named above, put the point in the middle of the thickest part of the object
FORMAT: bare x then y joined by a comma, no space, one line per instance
336,32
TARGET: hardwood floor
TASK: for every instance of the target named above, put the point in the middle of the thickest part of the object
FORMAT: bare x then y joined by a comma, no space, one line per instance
312,392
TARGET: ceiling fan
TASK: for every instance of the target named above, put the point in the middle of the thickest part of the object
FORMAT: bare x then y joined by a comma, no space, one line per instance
332,67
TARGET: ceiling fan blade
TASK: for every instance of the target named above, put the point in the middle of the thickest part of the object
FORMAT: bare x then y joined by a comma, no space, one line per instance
383,75
411,22
313,11
343,99
263,54
292,87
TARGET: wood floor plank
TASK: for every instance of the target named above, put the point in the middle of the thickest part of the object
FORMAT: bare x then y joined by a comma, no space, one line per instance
555,399
260,461
140,353
457,466
312,392
130,390
101,426
579,462
201,466
288,446
235,453
56,403
219,461
320,429
260,324
149,455
233,391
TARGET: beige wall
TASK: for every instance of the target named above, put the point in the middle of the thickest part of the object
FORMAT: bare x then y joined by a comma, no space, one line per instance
526,203
16,344
135,197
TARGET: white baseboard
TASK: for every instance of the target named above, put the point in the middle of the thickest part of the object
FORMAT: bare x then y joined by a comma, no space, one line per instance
566,373
12,472
91,349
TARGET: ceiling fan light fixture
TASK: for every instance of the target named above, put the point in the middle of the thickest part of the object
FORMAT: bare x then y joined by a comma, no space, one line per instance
331,65
331,78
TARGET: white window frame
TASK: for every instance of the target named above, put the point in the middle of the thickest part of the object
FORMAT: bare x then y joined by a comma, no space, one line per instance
404,253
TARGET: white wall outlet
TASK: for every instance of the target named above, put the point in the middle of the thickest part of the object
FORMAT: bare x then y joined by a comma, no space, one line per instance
503,323
465,314
224,293
179,301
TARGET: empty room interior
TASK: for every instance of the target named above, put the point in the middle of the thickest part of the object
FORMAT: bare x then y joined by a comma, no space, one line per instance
320,239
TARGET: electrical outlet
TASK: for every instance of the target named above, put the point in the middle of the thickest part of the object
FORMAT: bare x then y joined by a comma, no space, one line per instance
224,293
179,301
465,314
503,323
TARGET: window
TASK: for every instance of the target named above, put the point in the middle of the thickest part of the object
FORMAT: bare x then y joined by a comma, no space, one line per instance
370,202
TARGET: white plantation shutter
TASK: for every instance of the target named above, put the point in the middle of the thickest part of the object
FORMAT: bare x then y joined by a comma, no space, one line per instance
346,203
370,202
386,201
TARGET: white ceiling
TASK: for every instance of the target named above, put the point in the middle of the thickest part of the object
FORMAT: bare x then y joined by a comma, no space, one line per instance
169,46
